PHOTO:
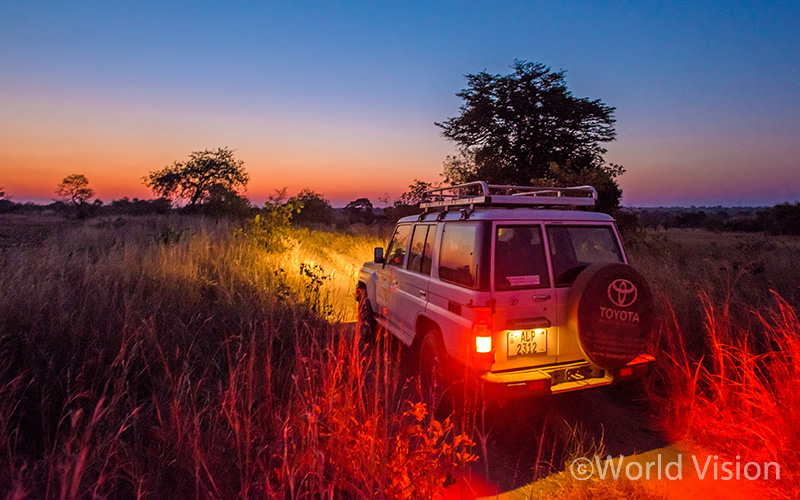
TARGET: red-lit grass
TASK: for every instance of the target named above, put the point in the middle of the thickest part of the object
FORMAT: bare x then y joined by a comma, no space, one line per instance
740,395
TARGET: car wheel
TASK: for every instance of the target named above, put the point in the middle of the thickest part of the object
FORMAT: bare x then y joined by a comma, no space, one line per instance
366,318
434,374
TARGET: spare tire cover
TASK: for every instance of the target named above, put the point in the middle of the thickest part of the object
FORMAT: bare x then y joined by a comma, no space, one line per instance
611,310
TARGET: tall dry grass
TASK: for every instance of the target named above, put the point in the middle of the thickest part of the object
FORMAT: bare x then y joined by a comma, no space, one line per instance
736,398
737,271
163,358
727,376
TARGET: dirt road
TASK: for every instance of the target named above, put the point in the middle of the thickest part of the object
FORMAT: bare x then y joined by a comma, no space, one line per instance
530,441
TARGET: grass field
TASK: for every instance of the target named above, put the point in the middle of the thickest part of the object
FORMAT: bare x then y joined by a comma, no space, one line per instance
166,357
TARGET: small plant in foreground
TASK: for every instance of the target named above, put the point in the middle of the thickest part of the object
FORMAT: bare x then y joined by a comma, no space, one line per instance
314,277
423,457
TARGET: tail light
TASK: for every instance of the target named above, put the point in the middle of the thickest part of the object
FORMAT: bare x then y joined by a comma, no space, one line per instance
539,386
483,339
639,367
482,330
483,356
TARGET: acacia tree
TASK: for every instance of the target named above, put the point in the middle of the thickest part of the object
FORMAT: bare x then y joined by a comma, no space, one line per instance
203,178
75,188
527,128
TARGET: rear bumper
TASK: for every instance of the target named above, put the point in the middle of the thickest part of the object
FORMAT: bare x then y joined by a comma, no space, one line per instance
557,379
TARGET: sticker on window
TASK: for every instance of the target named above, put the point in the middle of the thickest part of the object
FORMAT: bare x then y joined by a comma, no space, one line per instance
531,280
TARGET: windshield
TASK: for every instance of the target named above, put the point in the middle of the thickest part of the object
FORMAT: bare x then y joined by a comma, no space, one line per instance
573,248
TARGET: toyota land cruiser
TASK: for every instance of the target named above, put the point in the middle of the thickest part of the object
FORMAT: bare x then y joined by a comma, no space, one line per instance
514,285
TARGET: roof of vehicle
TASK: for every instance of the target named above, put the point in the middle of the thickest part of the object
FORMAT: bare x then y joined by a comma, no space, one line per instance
515,214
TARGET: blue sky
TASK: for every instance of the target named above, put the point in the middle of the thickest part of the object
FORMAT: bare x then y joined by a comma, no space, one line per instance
342,97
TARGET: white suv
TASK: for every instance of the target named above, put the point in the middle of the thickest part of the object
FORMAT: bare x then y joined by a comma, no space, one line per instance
495,281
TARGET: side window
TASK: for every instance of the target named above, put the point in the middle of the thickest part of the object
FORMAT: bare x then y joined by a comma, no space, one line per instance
417,248
420,256
457,258
519,258
427,256
397,247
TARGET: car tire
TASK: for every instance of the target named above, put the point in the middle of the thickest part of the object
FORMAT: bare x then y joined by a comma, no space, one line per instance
368,327
435,375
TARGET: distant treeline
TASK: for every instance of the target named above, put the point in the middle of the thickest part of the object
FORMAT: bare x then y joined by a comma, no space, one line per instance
312,209
317,211
122,206
780,219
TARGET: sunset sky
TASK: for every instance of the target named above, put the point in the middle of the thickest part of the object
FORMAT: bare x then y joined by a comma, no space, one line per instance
342,97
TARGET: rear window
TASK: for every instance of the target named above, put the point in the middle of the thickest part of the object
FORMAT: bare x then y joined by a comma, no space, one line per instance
573,248
519,258
457,259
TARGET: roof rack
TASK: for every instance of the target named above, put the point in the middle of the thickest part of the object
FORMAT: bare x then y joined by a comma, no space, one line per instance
481,193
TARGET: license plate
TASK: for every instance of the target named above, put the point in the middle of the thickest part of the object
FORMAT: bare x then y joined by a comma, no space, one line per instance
522,342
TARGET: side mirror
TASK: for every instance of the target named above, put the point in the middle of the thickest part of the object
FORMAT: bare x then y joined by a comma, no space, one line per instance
379,255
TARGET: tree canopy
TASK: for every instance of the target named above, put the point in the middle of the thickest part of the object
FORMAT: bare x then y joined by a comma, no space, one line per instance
360,210
208,176
409,201
415,192
312,208
527,128
75,188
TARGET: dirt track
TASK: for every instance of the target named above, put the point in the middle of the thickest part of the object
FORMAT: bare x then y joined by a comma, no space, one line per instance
532,439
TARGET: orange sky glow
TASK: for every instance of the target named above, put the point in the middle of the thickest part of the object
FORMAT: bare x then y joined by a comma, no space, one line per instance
343,98
45,139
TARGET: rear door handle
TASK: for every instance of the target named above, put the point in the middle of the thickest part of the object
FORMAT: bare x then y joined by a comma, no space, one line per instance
541,298
423,293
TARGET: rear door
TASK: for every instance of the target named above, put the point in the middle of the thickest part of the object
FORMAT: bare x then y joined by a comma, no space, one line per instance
525,319
573,247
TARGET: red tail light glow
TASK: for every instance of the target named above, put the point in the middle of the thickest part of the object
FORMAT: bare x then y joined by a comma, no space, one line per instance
483,344
482,330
